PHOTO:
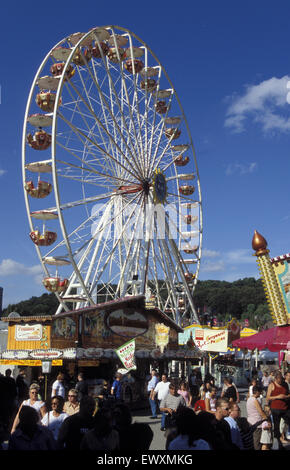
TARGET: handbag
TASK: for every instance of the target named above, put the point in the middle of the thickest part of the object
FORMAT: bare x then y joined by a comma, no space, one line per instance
170,421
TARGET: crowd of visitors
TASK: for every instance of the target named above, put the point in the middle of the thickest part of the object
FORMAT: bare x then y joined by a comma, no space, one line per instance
195,414
220,425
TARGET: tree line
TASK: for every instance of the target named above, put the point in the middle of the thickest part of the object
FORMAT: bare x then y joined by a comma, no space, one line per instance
242,299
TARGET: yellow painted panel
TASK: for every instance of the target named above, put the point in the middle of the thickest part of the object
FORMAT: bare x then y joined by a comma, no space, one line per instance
44,343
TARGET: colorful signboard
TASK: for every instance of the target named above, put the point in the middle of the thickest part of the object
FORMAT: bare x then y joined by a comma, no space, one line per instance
127,322
126,353
27,362
28,332
282,271
205,339
162,336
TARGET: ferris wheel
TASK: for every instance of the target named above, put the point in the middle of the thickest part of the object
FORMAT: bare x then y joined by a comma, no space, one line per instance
110,176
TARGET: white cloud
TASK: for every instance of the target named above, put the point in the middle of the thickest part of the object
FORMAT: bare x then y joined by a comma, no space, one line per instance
226,261
239,256
9,267
2,172
210,253
209,266
241,168
266,104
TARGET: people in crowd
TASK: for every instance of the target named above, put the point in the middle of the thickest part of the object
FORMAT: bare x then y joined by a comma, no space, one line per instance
193,383
266,440
277,397
221,426
132,436
265,381
29,434
58,388
54,418
230,391
228,382
41,383
34,402
246,431
187,432
256,415
204,389
234,413
170,404
185,393
102,437
75,426
8,393
105,394
81,386
116,389
152,398
210,401
71,406
287,379
22,387
160,391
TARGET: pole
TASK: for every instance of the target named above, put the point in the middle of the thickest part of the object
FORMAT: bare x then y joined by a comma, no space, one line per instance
45,388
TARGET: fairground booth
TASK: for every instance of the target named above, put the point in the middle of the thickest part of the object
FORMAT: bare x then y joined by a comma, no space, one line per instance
86,340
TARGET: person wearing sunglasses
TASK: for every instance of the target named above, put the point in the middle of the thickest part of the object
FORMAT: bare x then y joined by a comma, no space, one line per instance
221,426
54,418
32,401
72,405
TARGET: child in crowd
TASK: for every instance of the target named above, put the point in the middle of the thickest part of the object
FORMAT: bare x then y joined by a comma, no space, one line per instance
267,434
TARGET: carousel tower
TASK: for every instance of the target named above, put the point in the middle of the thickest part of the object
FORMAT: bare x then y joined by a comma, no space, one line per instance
272,290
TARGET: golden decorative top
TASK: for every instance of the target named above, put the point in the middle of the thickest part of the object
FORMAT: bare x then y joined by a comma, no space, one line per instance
259,244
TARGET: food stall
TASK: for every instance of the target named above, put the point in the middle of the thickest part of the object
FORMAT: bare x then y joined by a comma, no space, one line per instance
86,340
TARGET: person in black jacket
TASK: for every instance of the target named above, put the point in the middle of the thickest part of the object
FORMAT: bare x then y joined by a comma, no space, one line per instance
81,386
74,427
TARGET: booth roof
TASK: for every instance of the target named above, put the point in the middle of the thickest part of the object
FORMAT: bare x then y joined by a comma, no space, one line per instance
275,339
138,299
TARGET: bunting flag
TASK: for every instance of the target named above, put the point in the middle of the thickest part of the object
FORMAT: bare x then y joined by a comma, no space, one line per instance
126,353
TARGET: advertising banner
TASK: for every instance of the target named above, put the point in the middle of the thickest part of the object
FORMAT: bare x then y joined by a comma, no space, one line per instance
28,332
27,362
205,339
161,336
126,353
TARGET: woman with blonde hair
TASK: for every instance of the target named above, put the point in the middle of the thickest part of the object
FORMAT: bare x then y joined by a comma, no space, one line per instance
32,401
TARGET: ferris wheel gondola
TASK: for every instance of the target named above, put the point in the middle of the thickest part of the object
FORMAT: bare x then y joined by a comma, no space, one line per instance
122,220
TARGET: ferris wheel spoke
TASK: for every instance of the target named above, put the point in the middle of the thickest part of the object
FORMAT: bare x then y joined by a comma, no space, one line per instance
88,127
153,164
167,270
129,259
105,245
80,132
116,244
89,106
176,256
94,143
132,122
113,120
112,114
150,143
93,171
90,168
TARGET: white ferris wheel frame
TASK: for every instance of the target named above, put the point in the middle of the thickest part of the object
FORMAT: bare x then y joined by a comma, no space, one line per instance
169,256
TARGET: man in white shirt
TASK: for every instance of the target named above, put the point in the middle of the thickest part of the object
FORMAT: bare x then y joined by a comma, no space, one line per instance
161,390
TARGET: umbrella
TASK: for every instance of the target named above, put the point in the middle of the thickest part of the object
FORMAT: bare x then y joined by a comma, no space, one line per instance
275,339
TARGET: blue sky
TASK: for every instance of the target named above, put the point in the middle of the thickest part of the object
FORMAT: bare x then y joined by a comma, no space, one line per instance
229,63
